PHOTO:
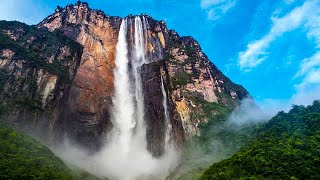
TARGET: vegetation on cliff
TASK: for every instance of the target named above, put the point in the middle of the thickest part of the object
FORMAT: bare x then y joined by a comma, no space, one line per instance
37,46
217,140
286,147
25,51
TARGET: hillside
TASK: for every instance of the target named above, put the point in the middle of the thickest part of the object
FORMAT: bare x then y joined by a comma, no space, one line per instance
287,147
21,157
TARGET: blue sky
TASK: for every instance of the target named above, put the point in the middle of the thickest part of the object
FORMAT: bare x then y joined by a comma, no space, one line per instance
271,47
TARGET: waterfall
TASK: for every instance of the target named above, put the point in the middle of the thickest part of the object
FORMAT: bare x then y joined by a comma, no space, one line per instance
128,101
124,155
123,104
138,60
139,41
166,116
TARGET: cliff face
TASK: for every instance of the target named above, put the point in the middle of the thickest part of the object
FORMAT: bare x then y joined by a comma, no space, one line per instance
197,87
37,68
191,81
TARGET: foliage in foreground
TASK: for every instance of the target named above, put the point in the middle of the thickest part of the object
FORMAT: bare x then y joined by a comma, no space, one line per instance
287,147
21,157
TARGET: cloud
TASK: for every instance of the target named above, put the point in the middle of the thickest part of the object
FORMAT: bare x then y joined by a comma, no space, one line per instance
305,16
308,64
309,68
215,9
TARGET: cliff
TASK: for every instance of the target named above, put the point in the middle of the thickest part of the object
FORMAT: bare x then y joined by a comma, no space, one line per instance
37,68
80,106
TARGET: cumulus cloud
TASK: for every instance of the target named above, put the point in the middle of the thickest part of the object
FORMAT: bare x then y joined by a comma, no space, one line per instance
305,16
215,9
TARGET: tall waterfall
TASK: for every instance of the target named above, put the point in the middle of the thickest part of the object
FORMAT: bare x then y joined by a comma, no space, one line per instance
125,155
123,104
138,60
166,116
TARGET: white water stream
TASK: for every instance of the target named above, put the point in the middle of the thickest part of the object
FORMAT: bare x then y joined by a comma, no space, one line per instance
125,155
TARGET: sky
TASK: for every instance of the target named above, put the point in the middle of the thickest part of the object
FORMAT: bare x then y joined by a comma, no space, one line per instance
271,47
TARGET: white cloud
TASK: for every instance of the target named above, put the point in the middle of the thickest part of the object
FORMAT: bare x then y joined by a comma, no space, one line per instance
310,67
215,9
308,64
303,16
306,96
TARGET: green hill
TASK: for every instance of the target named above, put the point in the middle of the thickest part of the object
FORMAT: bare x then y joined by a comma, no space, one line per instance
287,147
21,157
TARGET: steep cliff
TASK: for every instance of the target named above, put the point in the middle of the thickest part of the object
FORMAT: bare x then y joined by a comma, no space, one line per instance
37,68
197,87
81,104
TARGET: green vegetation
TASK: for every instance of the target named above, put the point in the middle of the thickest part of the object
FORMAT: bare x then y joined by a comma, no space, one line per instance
24,158
287,147
217,140
211,110
181,79
33,48
32,58
21,157
38,50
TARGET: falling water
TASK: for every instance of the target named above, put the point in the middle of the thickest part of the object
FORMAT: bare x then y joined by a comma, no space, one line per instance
139,41
123,104
138,60
166,116
125,155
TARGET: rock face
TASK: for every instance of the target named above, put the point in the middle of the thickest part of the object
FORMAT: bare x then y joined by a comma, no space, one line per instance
81,106
195,82
37,68
92,88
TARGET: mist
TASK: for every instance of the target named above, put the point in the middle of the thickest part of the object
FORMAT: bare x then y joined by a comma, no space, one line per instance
124,155
108,162
237,129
